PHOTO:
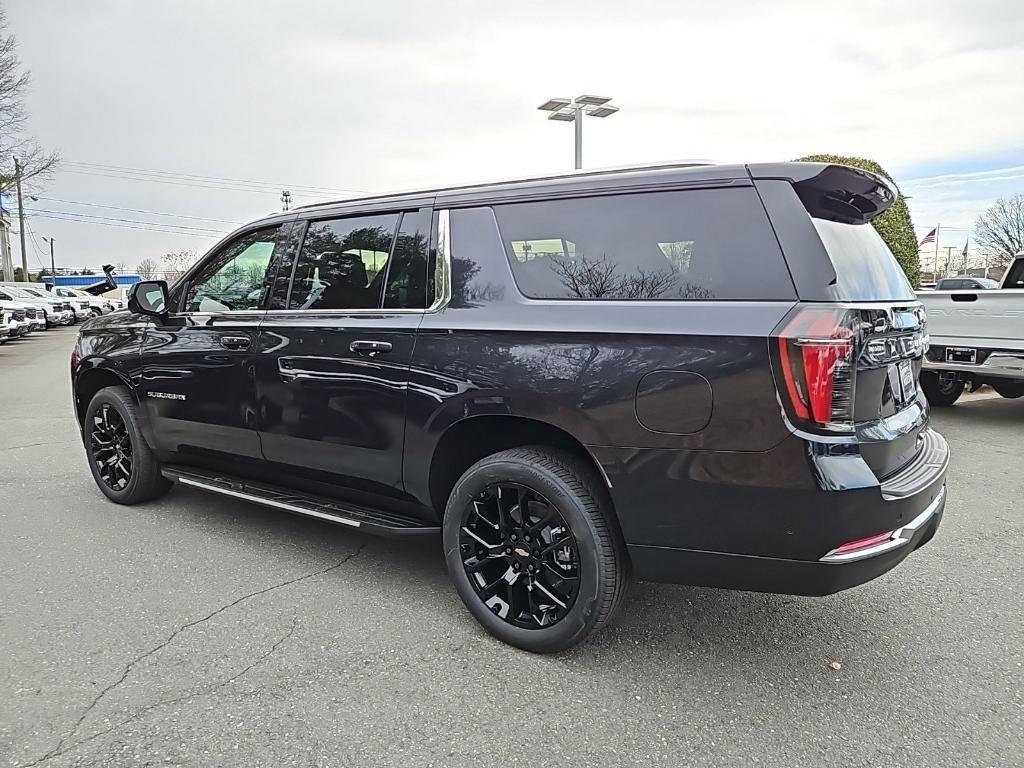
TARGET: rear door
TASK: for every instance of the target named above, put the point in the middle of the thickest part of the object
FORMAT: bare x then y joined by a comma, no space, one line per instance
335,349
197,383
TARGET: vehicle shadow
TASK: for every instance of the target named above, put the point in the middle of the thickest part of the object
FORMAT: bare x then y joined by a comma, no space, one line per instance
695,625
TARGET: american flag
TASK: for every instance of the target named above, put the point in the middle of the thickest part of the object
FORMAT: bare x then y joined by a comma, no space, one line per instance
929,238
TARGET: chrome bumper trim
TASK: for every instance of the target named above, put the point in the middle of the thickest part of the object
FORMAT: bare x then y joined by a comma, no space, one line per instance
1009,364
899,538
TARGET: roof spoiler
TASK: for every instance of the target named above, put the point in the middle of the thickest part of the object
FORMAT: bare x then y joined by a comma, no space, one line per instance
833,192
104,286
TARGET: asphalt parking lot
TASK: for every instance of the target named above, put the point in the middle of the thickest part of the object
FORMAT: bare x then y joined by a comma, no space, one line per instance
196,630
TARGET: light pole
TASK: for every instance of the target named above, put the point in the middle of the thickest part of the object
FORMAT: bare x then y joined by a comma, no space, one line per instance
572,111
53,267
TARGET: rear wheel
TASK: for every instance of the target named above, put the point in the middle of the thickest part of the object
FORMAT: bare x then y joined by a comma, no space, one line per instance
941,390
122,464
1010,389
533,549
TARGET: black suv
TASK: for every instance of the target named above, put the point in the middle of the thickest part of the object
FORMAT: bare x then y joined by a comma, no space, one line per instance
695,374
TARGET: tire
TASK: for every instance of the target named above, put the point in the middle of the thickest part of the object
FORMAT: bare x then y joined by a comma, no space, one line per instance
941,391
1009,389
144,481
548,479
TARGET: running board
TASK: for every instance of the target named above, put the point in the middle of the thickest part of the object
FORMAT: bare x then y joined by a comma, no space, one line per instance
373,521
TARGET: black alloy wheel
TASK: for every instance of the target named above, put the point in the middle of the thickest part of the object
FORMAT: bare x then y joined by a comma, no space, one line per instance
520,556
111,446
533,547
122,463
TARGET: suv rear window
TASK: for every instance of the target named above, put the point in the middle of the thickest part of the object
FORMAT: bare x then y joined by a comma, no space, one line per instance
865,268
699,244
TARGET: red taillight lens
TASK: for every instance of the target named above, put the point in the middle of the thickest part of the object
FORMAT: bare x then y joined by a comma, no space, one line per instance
870,541
74,361
817,353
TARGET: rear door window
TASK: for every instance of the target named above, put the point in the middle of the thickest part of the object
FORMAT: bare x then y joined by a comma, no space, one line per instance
865,268
690,245
342,264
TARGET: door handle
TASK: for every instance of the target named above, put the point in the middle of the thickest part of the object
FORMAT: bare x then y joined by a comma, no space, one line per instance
235,342
370,348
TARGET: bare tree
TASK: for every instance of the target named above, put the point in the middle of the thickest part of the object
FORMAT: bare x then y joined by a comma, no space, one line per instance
36,163
178,262
147,269
1000,230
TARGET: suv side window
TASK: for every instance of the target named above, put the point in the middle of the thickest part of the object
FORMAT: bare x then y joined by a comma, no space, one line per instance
408,268
698,244
235,278
343,263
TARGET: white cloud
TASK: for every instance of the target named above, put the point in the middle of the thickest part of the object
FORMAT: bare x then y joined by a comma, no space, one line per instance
396,95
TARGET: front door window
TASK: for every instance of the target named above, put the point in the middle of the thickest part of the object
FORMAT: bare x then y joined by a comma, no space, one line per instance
236,277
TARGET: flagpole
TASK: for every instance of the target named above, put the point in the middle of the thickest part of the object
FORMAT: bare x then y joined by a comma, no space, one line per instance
935,272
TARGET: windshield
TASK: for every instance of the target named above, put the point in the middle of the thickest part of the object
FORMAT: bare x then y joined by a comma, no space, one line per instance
865,268
19,292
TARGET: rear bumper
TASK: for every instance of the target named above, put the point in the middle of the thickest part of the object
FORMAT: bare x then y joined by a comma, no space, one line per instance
789,577
759,539
1001,363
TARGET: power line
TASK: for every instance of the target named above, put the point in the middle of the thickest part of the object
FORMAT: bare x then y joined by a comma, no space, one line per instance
35,246
85,216
56,217
139,210
200,180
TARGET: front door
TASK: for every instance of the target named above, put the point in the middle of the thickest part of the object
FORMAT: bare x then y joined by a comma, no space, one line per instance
333,364
197,383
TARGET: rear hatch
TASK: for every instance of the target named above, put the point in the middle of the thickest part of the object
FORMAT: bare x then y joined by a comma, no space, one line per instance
849,364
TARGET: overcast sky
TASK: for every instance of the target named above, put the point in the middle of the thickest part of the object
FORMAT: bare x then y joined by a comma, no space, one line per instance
341,97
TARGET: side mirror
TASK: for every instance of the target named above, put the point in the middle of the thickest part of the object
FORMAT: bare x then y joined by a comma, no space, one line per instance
149,297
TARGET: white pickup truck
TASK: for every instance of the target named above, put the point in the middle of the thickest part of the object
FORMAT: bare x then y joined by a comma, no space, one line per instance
976,337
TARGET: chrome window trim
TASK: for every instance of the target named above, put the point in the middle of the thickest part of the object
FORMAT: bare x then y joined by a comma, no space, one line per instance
442,289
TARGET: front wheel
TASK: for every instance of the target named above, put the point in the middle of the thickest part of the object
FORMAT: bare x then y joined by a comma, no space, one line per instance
122,464
941,391
533,548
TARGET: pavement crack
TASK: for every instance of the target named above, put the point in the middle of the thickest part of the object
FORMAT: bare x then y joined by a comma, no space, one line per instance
186,696
61,748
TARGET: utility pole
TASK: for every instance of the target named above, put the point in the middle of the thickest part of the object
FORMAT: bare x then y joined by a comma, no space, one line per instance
286,199
21,221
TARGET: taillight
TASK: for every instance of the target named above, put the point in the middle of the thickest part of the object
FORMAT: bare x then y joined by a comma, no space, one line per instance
817,353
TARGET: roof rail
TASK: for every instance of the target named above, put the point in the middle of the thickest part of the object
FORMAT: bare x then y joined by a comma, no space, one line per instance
524,179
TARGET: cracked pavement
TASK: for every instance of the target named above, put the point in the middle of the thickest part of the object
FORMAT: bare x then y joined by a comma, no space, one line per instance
198,630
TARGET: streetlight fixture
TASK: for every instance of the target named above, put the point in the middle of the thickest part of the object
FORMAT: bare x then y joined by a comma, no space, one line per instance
572,111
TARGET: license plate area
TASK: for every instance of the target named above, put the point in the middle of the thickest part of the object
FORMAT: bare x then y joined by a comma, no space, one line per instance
961,355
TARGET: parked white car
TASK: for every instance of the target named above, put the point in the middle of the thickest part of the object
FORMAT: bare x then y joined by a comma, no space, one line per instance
63,307
16,319
977,337
88,304
48,311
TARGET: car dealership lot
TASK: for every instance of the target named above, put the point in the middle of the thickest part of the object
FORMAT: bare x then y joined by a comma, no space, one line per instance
197,630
